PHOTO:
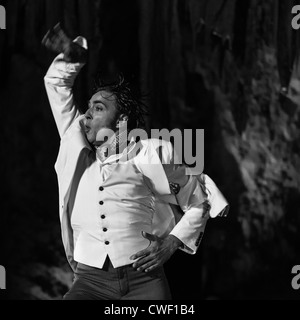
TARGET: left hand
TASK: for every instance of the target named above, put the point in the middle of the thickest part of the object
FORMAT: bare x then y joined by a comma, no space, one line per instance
57,41
159,251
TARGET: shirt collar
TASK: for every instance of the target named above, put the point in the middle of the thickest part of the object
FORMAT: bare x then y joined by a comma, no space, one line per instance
103,157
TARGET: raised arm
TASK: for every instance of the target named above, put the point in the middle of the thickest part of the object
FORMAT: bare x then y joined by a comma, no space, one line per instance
61,75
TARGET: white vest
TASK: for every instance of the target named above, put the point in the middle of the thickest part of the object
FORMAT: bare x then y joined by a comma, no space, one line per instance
109,214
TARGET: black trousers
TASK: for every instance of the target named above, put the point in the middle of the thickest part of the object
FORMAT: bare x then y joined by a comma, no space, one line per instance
123,283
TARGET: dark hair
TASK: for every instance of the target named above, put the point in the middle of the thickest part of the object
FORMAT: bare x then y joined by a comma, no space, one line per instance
129,101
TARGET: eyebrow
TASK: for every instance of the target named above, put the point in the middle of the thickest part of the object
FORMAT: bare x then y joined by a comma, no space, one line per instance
96,102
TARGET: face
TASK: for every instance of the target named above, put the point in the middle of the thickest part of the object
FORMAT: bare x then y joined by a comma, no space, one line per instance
102,113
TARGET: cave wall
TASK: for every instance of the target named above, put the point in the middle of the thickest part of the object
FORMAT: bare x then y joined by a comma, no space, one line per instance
230,67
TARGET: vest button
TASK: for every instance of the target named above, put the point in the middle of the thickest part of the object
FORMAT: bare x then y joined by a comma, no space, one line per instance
107,243
104,229
101,188
101,203
103,216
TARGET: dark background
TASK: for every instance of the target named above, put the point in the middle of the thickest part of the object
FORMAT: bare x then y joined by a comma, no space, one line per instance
227,66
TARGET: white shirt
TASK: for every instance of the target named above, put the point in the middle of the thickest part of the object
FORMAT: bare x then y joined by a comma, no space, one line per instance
125,192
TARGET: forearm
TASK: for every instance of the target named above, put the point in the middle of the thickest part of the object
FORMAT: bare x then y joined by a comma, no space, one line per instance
200,199
59,82
190,229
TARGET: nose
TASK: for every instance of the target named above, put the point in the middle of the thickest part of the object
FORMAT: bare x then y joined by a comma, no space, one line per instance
88,114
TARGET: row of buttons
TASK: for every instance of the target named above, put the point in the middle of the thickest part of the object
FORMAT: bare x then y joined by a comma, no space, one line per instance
101,202
103,216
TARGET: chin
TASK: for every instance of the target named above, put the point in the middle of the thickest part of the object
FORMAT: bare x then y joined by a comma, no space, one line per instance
90,138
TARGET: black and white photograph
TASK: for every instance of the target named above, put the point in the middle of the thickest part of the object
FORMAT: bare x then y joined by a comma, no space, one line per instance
150,150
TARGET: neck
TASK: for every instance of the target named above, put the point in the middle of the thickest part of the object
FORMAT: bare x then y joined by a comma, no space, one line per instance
114,145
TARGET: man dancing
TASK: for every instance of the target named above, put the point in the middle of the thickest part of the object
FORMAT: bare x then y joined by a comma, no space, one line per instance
117,196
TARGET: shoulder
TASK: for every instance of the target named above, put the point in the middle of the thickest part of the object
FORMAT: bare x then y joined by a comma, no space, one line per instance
157,144
163,148
75,127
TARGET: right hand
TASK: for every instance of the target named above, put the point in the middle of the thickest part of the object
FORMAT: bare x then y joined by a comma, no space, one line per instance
56,40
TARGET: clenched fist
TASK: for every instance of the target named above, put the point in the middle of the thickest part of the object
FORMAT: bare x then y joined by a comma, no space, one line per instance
56,40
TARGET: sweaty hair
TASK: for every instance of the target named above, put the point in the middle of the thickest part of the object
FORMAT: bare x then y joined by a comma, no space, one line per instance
129,101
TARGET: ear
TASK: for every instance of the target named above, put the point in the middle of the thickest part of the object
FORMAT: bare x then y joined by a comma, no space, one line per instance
122,117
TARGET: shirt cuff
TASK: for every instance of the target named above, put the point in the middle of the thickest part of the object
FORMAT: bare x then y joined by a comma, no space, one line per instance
190,229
